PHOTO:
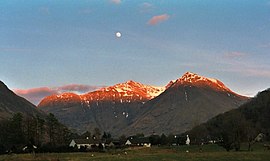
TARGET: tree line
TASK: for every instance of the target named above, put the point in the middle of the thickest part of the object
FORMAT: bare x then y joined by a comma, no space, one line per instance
32,132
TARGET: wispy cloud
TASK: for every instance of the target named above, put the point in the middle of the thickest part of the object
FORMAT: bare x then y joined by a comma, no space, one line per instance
77,88
158,19
44,10
258,72
14,49
146,7
267,45
35,95
234,54
85,11
246,68
116,1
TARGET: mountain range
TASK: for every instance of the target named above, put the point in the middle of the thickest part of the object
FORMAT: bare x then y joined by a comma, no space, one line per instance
110,109
131,107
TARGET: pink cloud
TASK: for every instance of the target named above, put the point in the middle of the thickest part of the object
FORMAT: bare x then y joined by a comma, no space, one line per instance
158,19
116,1
251,71
147,5
258,72
35,95
234,54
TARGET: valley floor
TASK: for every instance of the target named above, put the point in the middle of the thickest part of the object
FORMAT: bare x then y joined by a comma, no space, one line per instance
209,153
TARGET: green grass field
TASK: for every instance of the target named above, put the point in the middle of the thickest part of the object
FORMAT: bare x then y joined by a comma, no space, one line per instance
209,153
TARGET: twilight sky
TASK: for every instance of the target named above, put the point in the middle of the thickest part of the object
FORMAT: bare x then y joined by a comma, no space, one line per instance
51,44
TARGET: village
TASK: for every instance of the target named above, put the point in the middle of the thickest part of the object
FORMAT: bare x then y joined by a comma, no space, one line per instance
93,143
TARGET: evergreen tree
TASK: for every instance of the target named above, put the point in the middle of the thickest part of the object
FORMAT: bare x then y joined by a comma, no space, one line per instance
97,134
40,130
15,130
86,135
163,139
30,128
52,125
122,139
154,139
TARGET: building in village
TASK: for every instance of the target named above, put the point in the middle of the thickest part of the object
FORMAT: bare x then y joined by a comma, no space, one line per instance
138,141
85,143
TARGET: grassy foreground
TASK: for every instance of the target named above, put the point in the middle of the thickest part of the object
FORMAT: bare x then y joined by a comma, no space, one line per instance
209,153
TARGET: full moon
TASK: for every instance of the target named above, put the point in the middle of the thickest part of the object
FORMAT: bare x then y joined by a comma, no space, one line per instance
118,34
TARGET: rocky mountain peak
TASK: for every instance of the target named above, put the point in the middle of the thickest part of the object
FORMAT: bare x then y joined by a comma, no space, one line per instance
190,78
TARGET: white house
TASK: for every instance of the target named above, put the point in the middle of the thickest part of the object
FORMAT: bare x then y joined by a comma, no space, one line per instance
128,143
83,143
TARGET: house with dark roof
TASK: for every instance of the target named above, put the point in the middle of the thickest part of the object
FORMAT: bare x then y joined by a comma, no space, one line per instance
138,141
113,144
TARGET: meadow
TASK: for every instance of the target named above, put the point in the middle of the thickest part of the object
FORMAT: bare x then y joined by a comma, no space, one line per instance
208,153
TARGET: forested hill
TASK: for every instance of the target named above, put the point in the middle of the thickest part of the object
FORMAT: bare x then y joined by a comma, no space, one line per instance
238,125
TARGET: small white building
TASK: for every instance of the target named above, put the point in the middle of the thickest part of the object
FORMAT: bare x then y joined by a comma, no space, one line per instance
187,141
128,143
83,143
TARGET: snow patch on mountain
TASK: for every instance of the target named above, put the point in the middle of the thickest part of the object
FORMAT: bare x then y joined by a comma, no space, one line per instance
129,87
